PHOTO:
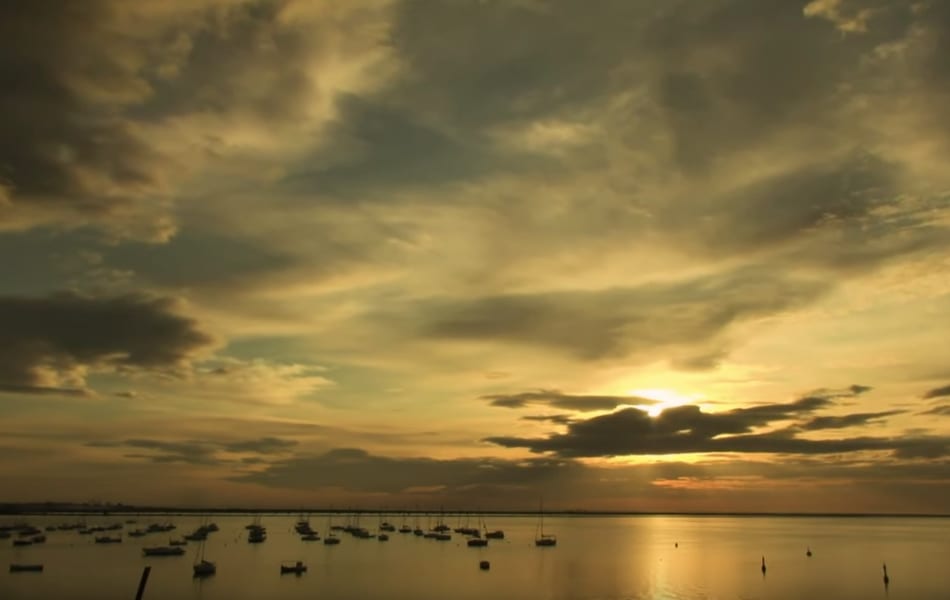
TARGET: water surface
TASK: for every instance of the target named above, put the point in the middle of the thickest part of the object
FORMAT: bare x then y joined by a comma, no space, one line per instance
596,557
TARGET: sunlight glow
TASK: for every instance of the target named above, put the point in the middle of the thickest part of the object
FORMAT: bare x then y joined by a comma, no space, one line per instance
665,399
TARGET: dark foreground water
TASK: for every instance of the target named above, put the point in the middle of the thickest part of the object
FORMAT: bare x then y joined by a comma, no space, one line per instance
604,558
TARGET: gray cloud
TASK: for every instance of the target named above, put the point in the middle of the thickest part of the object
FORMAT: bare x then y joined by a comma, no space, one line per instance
46,340
557,399
505,484
841,422
264,445
198,452
643,322
64,140
938,392
942,410
557,419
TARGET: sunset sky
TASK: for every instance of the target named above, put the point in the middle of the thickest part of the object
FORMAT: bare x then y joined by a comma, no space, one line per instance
666,255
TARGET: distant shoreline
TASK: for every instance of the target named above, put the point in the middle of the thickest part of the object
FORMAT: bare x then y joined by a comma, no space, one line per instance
52,508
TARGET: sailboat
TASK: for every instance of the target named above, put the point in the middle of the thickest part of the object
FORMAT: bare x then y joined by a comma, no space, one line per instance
202,567
541,538
330,539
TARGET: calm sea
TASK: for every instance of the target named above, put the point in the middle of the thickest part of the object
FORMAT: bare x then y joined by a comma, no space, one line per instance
604,558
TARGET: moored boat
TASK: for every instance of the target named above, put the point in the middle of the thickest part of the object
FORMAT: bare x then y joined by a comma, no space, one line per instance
104,539
297,568
22,568
163,551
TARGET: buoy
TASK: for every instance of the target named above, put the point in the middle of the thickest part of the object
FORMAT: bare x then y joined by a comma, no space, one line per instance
887,579
484,565
808,552
763,565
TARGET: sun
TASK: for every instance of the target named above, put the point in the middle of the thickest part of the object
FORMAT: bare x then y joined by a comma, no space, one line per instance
665,398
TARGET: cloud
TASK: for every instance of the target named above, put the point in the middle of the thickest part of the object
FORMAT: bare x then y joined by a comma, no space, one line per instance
635,323
353,475
557,419
556,399
198,452
943,410
51,342
841,422
117,104
687,429
938,392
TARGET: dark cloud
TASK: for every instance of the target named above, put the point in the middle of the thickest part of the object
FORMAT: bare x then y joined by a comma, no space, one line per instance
264,445
199,452
194,260
943,410
841,422
47,340
662,319
390,149
686,429
557,419
938,392
557,399
506,484
359,470
64,141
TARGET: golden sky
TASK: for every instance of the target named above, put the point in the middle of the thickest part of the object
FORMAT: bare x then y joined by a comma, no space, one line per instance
654,255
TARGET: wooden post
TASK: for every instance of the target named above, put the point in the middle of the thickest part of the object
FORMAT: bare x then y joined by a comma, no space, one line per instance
142,582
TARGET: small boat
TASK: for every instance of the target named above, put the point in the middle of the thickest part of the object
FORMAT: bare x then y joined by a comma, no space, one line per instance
484,565
22,542
541,538
297,568
331,540
136,533
104,539
21,568
163,551
311,537
498,534
204,568
257,534
382,537
477,543
39,539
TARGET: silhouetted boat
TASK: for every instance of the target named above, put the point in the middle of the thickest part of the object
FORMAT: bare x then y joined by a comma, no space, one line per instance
104,539
297,568
477,543
541,538
484,565
163,551
202,567
21,568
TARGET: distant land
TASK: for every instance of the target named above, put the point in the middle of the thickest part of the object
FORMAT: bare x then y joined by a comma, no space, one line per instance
104,509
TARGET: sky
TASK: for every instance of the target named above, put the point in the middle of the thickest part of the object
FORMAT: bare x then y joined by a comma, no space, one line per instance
651,255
